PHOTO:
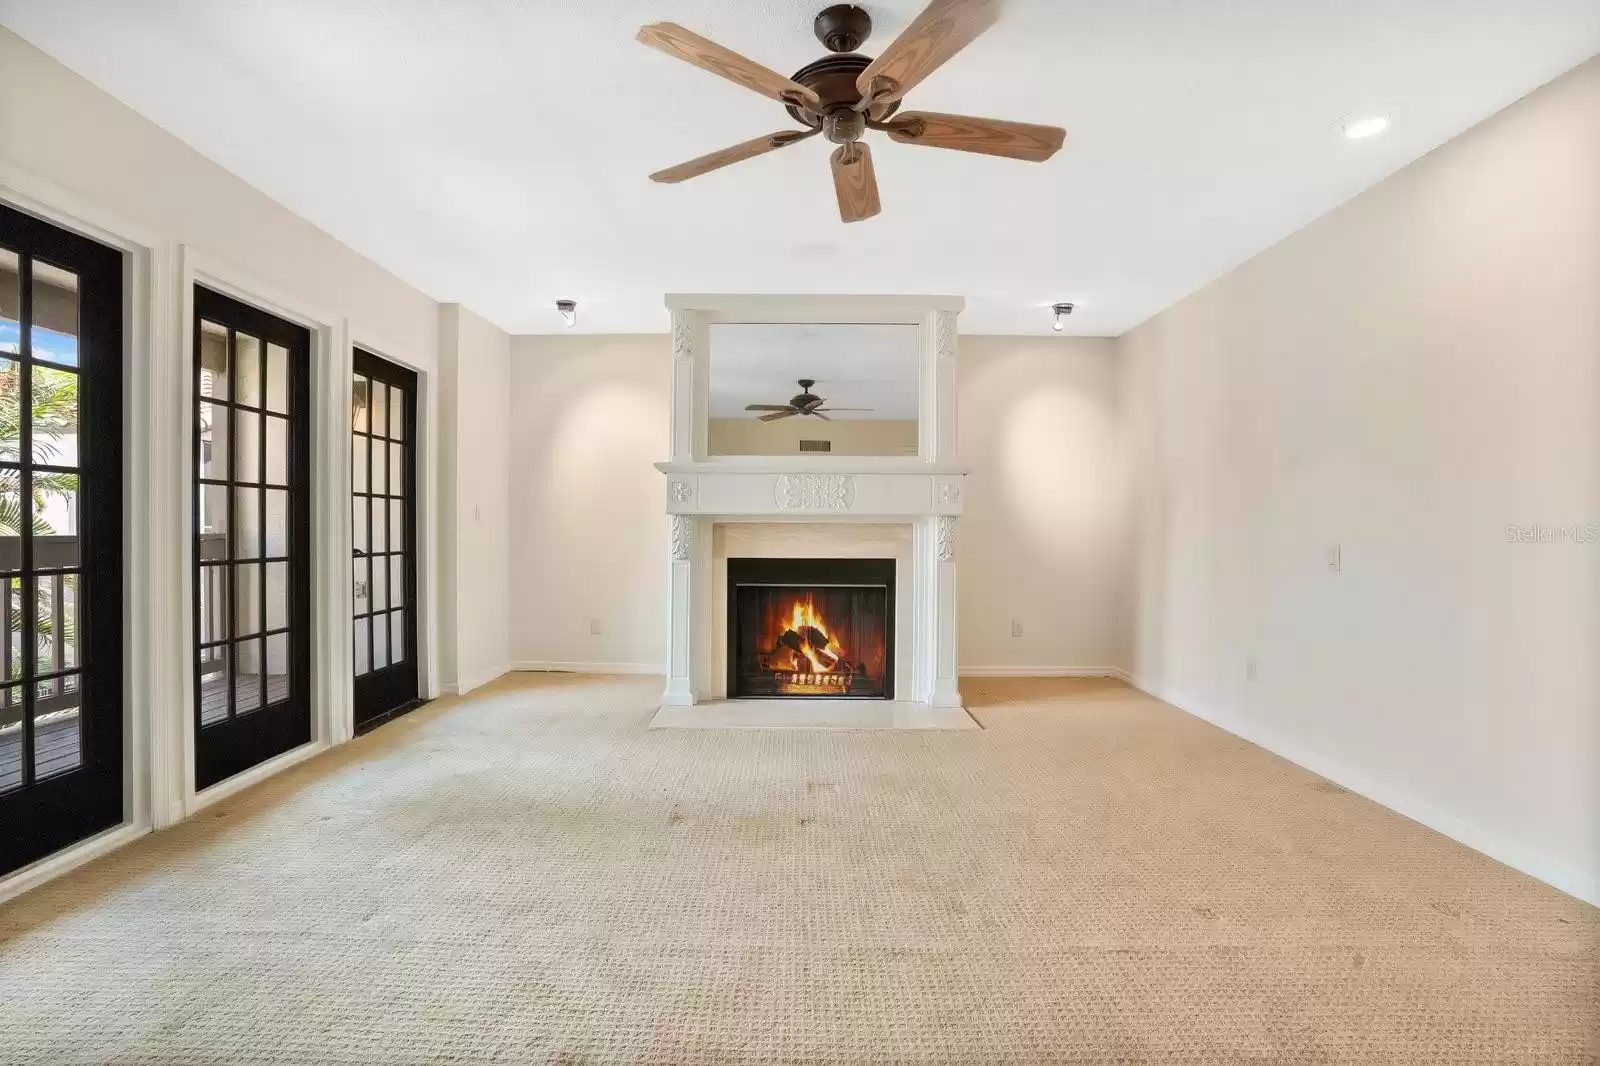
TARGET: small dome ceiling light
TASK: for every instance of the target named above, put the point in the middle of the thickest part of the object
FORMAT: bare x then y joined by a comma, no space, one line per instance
1062,311
1357,129
569,311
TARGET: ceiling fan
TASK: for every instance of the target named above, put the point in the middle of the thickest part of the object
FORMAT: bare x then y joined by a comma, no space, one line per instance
806,403
843,95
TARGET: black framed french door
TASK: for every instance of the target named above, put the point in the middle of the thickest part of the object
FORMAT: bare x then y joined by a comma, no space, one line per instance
252,536
383,493
61,715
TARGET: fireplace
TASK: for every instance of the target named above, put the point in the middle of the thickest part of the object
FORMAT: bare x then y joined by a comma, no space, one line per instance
811,628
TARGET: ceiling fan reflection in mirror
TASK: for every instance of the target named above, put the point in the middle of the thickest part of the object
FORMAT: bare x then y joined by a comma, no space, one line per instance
806,403
845,94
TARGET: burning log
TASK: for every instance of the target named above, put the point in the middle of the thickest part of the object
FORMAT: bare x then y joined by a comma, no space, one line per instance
810,643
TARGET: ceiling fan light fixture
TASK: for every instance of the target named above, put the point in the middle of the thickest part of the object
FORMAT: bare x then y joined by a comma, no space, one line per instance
1062,310
569,311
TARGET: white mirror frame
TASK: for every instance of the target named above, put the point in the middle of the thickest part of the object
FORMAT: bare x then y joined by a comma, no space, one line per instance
694,313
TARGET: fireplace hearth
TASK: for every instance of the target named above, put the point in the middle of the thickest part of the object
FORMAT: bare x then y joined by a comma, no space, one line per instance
811,628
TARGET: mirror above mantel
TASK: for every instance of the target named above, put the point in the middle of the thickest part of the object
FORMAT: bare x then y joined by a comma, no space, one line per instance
818,388
893,355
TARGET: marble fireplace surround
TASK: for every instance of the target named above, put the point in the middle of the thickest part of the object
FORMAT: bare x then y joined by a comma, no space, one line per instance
814,506
812,540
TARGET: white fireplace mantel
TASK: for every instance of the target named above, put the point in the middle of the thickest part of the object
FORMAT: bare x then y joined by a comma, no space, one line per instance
925,491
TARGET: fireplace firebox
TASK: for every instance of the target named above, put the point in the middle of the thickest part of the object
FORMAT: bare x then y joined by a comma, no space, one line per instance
811,628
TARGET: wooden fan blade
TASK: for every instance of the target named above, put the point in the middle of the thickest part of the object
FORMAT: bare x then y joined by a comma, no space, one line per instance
944,28
690,47
767,407
818,414
844,409
854,182
716,160
986,136
787,413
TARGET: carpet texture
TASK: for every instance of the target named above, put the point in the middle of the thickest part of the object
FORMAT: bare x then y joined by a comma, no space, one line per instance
529,875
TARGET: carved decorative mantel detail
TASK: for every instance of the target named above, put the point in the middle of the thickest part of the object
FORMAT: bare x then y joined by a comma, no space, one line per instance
682,537
949,493
944,334
944,537
814,492
682,335
682,491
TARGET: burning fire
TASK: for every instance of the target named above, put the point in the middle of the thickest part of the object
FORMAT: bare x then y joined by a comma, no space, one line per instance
808,636
799,647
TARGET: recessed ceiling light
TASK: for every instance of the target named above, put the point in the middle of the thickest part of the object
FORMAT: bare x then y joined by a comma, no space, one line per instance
1366,126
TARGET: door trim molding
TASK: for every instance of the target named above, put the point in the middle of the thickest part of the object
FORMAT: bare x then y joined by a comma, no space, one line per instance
148,645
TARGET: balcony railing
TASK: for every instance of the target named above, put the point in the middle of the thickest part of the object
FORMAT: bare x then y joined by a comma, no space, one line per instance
56,698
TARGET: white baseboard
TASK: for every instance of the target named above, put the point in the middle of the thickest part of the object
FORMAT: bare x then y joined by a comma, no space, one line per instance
542,666
1487,841
256,774
53,866
1045,671
478,679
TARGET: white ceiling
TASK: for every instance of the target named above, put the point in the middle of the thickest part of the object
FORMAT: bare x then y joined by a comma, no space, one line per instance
872,366
494,152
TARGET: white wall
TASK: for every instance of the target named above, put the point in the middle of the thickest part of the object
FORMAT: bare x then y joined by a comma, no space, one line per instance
588,508
1043,527
474,519
57,127
1037,421
1406,378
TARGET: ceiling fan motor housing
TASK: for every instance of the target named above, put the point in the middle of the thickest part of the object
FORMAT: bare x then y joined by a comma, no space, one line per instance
833,79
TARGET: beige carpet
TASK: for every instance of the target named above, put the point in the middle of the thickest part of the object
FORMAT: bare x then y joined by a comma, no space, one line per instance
531,876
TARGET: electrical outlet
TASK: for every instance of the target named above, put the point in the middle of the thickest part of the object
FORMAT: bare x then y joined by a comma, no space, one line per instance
1335,558
1016,628
1250,668
594,627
